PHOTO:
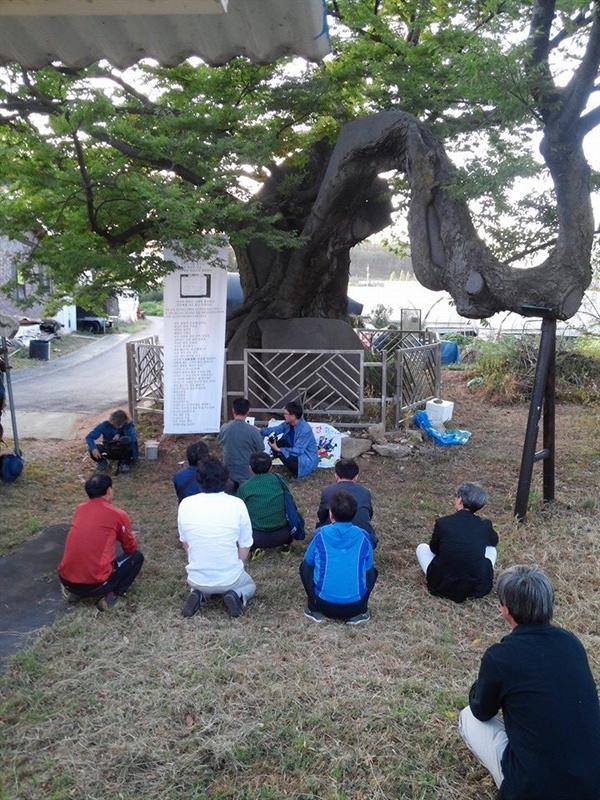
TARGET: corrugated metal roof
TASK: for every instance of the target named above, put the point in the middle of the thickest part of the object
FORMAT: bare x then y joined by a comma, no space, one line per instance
34,33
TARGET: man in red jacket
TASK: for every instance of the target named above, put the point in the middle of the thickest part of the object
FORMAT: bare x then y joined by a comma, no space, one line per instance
90,566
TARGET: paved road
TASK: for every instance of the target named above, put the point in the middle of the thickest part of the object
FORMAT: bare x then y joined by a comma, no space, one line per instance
50,397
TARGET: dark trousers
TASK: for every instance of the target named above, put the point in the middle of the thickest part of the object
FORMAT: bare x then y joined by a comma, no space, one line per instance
275,538
336,610
119,450
291,462
125,570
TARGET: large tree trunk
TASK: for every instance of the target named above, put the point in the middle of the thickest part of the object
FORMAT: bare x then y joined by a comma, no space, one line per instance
352,202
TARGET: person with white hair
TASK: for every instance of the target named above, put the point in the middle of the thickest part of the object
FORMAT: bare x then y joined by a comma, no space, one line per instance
459,560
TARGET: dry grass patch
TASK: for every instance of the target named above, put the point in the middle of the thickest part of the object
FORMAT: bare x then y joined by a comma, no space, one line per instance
139,703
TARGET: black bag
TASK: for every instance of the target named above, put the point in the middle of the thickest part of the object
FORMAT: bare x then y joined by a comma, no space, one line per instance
294,517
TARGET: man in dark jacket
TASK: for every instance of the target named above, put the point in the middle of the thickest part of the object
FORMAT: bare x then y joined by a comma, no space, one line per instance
547,746
185,480
346,475
337,571
459,560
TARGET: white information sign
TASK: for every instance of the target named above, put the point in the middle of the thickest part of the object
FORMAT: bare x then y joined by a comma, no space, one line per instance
195,299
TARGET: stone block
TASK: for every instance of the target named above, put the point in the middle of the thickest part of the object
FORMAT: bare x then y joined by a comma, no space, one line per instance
393,450
377,433
353,447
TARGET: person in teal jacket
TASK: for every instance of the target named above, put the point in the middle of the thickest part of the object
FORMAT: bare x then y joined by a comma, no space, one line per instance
337,571
293,441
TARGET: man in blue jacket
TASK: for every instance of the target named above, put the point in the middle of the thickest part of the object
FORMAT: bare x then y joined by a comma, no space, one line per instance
185,480
293,441
337,571
547,744
119,442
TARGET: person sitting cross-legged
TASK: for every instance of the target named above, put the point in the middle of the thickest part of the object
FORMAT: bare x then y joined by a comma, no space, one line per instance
119,442
185,480
263,495
90,566
337,572
346,476
216,533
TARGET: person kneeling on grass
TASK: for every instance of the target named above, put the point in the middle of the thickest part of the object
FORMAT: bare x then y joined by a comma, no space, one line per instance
185,480
459,560
89,566
263,495
216,533
337,571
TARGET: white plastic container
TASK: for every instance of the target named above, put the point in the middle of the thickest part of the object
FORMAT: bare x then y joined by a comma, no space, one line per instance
151,450
439,411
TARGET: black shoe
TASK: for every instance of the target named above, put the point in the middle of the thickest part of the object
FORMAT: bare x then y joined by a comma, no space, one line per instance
194,602
234,603
107,602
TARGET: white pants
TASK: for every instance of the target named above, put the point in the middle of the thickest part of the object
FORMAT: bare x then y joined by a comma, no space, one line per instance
244,586
425,555
487,740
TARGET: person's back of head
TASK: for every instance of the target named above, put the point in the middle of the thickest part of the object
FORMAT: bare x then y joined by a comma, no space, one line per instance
473,496
118,418
196,452
295,408
260,463
97,485
527,593
342,506
212,475
241,406
346,469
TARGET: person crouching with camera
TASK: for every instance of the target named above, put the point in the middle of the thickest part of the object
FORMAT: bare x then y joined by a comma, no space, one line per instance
293,441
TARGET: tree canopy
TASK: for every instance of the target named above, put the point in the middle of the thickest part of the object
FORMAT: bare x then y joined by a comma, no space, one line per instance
434,108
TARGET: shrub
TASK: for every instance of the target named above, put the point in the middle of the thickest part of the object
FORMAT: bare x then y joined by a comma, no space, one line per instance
508,367
152,308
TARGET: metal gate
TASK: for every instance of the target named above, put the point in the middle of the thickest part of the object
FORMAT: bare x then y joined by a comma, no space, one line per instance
145,376
329,383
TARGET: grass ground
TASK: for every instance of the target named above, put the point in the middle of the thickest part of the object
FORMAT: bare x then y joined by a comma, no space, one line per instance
139,703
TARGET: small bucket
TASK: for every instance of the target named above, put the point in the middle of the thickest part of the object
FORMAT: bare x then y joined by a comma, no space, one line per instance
151,450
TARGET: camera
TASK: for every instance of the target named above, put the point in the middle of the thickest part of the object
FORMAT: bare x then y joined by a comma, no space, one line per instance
272,439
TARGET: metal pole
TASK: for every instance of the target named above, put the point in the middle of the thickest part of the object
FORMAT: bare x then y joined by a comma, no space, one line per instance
13,416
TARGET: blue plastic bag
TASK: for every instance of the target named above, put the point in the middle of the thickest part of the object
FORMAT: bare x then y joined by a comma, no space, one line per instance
445,438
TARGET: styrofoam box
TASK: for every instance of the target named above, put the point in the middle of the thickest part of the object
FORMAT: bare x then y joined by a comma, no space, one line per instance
439,410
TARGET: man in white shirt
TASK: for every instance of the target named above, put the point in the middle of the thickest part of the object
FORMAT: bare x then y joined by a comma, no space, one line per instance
216,533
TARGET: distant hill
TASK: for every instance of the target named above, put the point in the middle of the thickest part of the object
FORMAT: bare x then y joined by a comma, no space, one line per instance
372,263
